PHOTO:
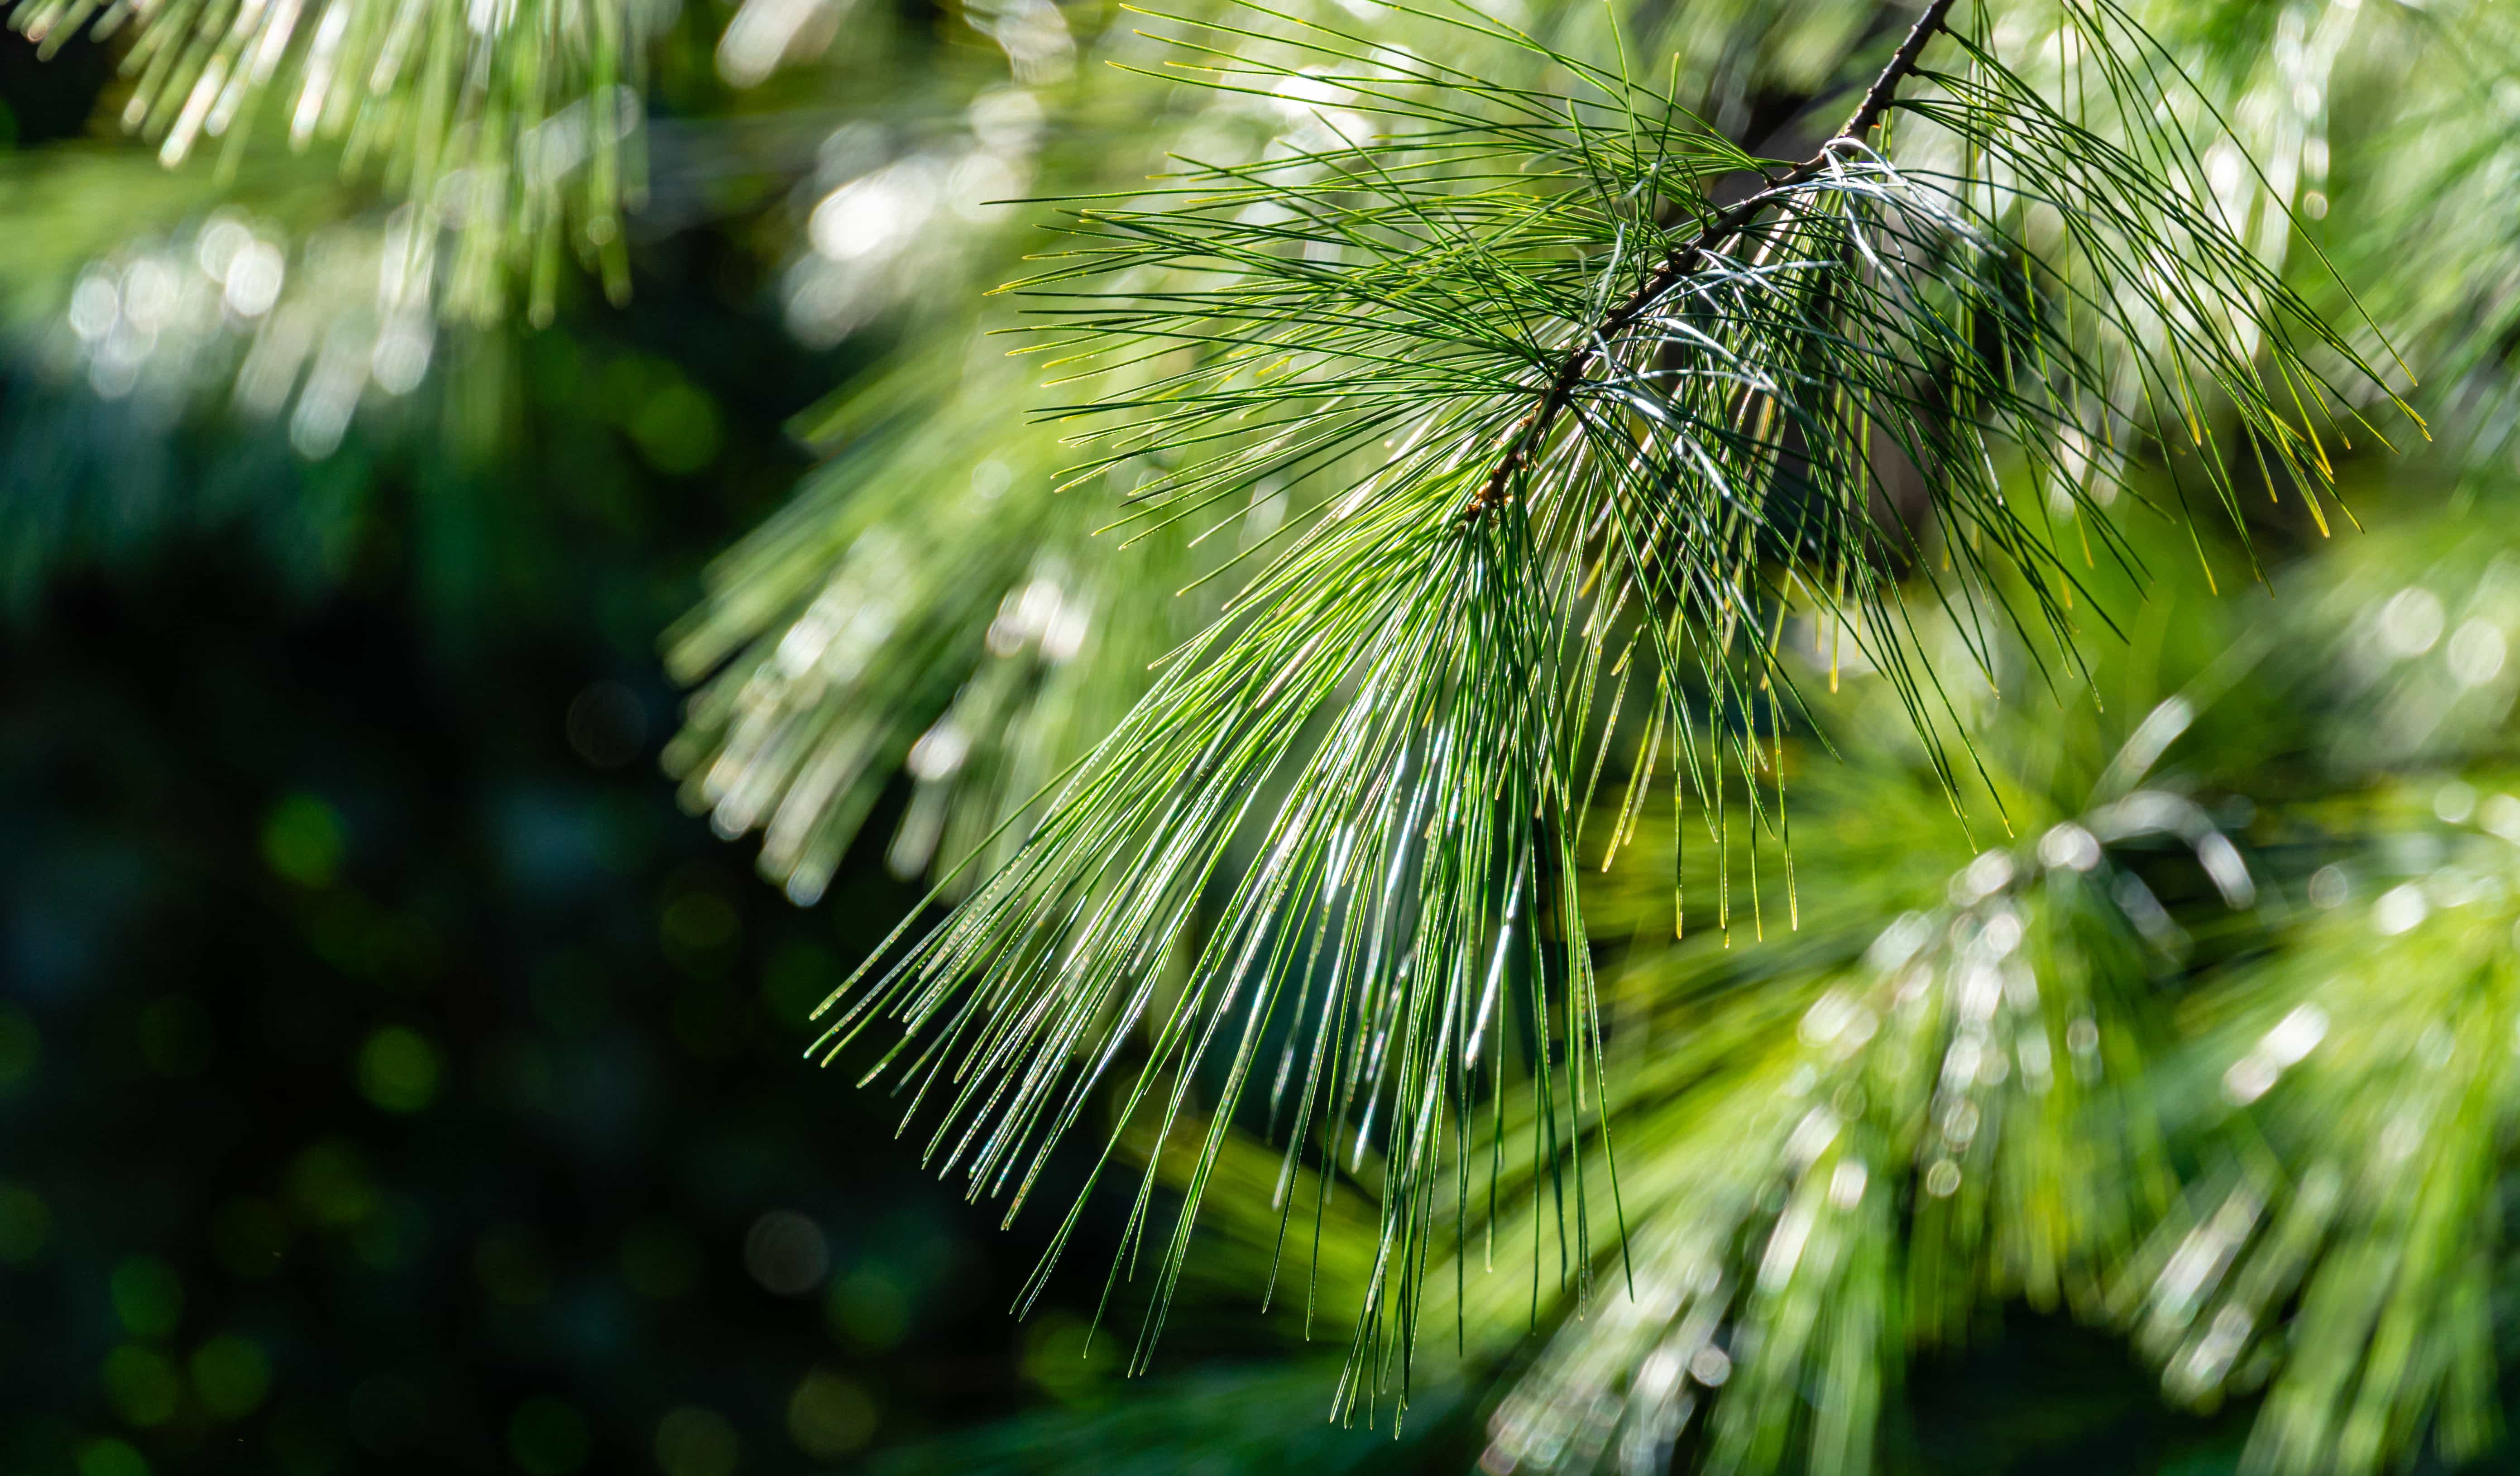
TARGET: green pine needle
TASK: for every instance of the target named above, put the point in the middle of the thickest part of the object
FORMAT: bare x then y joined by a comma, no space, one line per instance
1567,426
512,122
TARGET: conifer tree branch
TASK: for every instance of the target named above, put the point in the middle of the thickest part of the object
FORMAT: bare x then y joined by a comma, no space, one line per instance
534,157
1532,429
1343,826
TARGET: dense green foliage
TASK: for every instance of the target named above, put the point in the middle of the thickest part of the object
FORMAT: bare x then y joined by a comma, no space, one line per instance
1438,442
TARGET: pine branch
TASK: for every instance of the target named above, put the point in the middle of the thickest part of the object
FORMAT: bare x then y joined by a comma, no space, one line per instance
1841,1146
513,127
1402,717
1683,259
826,709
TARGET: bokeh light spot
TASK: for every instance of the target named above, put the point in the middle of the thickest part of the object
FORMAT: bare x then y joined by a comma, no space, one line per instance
231,1376
148,1297
398,1070
142,1385
786,1253
331,1185
831,1415
110,1458
1065,1358
870,1310
692,1441
25,1224
700,923
303,840
678,429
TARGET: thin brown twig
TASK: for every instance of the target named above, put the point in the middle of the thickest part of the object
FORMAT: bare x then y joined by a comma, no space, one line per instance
1532,429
